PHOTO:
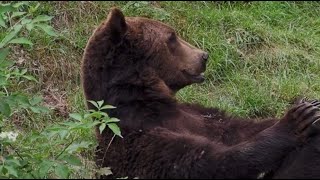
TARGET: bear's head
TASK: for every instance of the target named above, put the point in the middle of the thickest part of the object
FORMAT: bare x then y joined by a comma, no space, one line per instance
136,48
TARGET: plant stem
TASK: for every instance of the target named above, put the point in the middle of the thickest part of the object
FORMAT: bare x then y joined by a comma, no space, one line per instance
16,152
63,150
20,158
105,153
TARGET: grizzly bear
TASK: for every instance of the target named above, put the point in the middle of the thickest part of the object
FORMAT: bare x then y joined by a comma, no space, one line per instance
137,65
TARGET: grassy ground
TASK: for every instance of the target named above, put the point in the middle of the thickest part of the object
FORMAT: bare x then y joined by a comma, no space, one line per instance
262,54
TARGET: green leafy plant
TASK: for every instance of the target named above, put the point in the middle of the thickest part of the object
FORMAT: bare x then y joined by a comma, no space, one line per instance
43,160
104,118
46,162
52,152
14,19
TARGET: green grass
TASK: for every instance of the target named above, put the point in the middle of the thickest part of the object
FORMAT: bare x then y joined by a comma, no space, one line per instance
262,54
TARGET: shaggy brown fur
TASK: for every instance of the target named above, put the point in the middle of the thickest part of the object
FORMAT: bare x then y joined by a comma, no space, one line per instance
137,65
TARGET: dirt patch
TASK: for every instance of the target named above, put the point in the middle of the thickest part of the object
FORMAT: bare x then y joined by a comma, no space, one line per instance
56,100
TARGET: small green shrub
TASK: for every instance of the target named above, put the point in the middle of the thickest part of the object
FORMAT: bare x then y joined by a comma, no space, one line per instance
53,152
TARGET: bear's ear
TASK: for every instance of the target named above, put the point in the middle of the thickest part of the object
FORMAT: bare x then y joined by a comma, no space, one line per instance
117,24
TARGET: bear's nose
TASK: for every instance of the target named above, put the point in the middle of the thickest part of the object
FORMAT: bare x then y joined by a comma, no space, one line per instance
205,56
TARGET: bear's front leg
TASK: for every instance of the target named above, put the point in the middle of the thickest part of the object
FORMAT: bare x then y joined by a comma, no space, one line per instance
266,151
304,161
299,118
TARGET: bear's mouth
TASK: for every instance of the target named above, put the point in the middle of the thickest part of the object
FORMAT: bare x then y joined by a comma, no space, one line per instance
197,78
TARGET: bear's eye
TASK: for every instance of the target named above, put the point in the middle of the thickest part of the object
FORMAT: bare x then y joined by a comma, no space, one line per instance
172,37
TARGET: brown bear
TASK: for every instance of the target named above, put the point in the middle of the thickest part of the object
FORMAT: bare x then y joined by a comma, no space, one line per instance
137,65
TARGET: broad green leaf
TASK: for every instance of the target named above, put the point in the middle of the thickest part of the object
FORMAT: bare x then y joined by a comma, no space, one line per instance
6,64
93,123
102,127
63,133
26,175
94,103
3,54
25,21
16,14
112,120
3,81
73,160
35,136
104,114
22,100
41,18
6,8
78,146
62,171
107,107
33,9
70,124
5,108
47,29
76,116
16,5
100,103
55,130
8,76
44,168
39,109
88,125
30,26
21,40
12,170
2,22
35,100
11,35
96,115
23,71
86,116
30,78
35,110
24,162
13,161
82,126
43,109
16,71
115,129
